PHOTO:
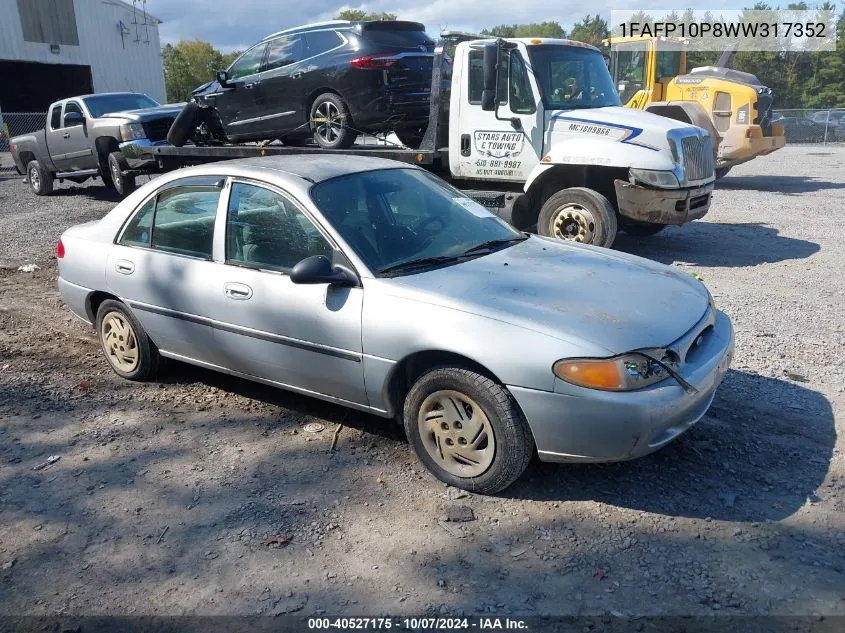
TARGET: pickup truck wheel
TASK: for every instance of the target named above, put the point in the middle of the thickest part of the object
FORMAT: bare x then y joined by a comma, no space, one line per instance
330,122
39,179
467,430
124,185
641,229
578,214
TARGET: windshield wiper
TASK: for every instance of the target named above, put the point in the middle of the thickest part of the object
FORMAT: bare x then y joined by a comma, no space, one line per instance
419,263
491,244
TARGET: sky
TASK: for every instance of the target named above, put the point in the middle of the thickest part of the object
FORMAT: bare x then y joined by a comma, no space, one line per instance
236,24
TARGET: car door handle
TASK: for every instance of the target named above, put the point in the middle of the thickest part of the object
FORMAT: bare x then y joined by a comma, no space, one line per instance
66,135
297,74
249,86
124,267
236,291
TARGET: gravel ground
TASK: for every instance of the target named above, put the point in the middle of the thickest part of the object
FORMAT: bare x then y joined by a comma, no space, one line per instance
203,494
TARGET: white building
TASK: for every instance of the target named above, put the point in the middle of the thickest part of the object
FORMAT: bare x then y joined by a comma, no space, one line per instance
51,49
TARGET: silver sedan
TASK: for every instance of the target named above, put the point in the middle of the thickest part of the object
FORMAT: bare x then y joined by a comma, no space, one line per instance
375,285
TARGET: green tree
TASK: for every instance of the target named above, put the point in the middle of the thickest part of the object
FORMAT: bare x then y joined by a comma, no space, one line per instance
592,30
534,29
189,64
359,15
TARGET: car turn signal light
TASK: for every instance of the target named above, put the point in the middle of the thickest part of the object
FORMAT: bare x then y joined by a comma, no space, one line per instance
620,373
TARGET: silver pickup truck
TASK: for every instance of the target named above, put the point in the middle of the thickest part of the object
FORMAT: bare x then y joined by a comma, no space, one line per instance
83,136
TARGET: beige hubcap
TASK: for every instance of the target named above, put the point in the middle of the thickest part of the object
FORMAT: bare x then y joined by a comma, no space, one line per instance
456,433
573,222
119,342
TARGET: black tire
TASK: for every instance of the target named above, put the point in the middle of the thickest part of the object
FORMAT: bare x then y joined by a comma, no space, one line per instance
411,137
641,229
40,180
123,184
105,173
148,358
512,442
332,129
579,214
184,125
721,172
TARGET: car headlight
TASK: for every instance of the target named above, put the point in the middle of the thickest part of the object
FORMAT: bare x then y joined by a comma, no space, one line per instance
132,132
620,373
664,179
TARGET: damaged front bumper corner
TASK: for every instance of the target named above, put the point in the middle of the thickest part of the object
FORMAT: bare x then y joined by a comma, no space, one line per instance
662,206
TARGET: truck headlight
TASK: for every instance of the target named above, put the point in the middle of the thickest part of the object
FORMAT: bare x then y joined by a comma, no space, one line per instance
132,132
664,179
620,373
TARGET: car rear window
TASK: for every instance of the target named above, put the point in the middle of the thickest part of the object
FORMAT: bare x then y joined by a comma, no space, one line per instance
398,38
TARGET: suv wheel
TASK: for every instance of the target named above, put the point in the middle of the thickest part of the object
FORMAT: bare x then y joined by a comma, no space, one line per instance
331,123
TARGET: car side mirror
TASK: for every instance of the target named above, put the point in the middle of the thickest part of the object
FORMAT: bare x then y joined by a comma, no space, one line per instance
317,269
491,74
222,77
74,118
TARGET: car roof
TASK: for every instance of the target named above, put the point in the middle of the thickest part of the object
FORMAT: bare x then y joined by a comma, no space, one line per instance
317,167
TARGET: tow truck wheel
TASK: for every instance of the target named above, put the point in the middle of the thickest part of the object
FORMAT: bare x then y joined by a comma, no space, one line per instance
123,184
578,214
39,179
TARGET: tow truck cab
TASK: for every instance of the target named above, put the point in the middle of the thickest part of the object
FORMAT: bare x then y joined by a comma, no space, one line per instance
544,113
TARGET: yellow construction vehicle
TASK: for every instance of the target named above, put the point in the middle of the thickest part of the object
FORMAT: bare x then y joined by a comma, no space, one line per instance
651,74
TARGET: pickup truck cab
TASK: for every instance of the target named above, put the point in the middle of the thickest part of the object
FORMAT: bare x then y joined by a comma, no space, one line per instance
82,138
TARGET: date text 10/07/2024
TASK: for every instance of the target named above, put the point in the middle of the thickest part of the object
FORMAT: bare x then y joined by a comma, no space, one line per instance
417,624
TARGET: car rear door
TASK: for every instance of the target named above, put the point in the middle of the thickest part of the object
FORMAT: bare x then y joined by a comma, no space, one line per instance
162,267
303,336
280,95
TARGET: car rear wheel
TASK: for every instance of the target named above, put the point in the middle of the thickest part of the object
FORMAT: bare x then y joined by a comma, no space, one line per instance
123,184
331,123
40,180
126,346
578,214
467,430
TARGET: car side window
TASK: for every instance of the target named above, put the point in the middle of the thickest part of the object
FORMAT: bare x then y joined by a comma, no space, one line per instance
519,87
267,230
476,78
249,63
284,51
56,117
138,229
184,220
320,42
72,106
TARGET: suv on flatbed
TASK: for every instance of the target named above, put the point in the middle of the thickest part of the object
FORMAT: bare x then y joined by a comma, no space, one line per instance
82,139
331,80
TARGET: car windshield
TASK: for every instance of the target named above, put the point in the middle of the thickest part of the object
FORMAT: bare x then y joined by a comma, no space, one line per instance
98,105
398,220
572,77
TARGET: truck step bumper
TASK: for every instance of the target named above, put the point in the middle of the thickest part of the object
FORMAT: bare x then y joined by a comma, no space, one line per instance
662,206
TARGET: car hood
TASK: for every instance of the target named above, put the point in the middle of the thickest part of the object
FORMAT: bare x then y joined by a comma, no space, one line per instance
147,114
615,301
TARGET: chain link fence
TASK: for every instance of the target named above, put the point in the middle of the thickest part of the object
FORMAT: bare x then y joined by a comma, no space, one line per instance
14,124
812,126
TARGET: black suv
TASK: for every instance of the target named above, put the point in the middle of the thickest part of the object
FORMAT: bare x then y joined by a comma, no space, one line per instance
330,81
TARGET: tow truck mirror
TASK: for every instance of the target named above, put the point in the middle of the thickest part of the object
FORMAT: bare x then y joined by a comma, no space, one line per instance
222,77
491,65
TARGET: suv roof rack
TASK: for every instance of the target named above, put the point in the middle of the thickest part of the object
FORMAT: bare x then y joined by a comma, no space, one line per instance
308,27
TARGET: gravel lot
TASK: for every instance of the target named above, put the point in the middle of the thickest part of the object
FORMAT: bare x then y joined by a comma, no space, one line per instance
203,494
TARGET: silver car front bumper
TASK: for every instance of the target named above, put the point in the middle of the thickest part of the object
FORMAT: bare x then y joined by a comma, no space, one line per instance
574,424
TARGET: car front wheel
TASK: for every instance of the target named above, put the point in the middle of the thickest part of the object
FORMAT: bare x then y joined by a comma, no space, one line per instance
124,184
467,429
126,346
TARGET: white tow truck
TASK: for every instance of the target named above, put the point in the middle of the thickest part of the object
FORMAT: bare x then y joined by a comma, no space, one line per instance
534,130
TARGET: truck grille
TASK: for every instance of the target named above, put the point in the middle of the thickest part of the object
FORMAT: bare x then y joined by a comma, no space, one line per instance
697,152
157,130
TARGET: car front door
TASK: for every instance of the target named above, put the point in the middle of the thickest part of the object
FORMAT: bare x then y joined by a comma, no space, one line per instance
303,336
237,100
162,267
70,147
279,94
491,147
